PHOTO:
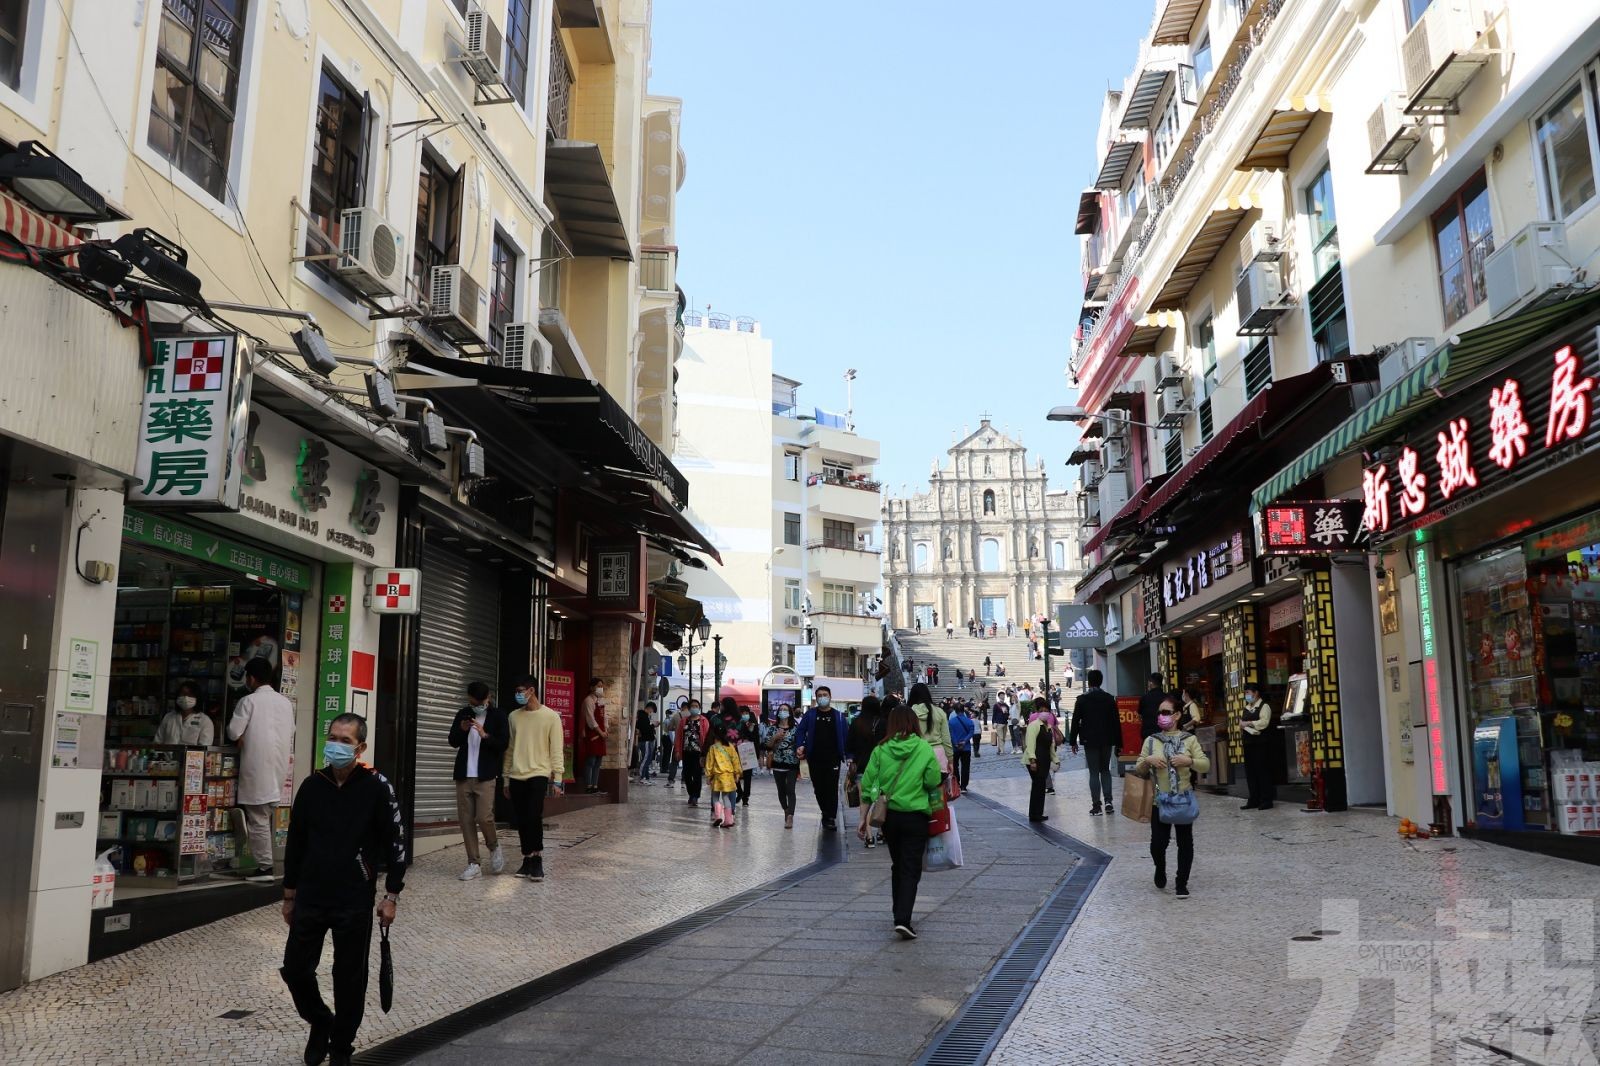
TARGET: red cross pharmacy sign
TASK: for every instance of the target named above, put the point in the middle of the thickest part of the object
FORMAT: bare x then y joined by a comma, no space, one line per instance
395,591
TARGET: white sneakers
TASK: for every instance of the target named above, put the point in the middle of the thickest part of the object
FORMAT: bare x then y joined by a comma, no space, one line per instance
472,871
497,861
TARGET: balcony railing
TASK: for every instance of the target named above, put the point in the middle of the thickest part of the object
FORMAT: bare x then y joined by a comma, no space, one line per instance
656,268
560,94
865,549
846,481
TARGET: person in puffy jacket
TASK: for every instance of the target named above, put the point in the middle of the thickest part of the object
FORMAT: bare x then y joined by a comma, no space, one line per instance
935,725
904,770
723,770
1172,757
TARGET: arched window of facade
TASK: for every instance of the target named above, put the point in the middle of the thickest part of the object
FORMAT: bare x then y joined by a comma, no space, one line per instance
990,557
922,557
988,501
1059,553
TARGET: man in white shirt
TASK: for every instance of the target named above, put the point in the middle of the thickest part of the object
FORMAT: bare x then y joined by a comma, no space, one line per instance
1258,751
263,727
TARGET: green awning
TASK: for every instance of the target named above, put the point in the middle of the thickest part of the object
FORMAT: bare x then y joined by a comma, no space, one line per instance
1450,368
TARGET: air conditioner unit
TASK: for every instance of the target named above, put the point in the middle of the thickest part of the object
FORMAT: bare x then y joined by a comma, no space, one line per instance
791,621
1261,243
1115,456
1392,135
1112,495
485,47
1402,359
526,348
372,253
457,305
1442,53
1169,372
1091,473
1115,423
1527,266
1172,407
1260,295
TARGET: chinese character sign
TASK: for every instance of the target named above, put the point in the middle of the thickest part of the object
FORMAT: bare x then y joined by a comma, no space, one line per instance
1314,527
194,405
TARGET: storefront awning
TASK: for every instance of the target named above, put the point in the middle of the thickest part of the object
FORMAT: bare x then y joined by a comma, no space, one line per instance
1270,407
1282,131
1454,366
1116,164
579,184
1196,258
1088,212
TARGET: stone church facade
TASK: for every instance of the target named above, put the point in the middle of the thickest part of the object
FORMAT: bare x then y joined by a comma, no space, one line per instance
987,540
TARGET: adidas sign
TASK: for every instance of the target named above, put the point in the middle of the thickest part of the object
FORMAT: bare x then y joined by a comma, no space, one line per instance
1083,628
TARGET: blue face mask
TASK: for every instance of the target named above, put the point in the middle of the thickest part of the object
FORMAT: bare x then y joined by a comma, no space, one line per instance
522,699
338,755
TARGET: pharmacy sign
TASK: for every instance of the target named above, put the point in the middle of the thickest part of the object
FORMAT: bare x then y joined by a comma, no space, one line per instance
196,391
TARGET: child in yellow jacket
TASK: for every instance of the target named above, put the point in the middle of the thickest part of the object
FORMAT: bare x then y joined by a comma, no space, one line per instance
722,771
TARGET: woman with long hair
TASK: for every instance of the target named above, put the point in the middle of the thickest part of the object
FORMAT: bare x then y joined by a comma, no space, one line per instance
902,769
934,722
866,733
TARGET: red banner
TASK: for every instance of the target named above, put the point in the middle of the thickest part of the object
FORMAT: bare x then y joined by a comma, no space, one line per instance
1128,717
561,696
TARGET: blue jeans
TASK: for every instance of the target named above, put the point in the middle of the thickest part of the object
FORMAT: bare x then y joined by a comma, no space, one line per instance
591,771
647,753
1099,763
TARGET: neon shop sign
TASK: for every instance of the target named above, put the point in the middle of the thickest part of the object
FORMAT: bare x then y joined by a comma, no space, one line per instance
1482,444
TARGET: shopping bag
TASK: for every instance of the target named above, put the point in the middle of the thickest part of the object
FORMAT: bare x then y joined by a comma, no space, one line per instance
944,850
852,786
385,973
1138,796
939,822
805,770
747,755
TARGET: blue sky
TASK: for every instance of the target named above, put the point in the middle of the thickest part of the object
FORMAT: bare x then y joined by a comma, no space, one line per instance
891,185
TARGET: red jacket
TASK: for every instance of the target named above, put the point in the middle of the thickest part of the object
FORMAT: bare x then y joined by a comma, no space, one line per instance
704,728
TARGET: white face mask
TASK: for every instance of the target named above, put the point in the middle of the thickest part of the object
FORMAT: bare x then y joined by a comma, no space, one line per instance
600,693
185,703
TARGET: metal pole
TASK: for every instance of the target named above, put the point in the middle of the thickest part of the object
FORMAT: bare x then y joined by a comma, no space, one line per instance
690,679
1044,624
717,663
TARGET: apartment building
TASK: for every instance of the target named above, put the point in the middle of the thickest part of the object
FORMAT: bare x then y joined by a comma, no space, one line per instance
1336,273
787,494
331,340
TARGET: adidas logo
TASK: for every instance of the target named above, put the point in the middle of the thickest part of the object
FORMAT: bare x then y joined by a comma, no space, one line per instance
1082,628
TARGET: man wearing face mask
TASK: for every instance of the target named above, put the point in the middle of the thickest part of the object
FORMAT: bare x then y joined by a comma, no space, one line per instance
344,826
820,741
1258,750
188,724
535,763
690,748
263,727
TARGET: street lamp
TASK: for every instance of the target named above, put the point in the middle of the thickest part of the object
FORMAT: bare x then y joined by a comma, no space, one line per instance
1074,413
718,660
702,627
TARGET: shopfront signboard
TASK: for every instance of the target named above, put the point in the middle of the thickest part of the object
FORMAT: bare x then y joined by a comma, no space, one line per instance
1078,626
1194,572
395,591
561,696
617,576
1432,697
1128,719
196,392
1313,527
195,542
1536,413
310,491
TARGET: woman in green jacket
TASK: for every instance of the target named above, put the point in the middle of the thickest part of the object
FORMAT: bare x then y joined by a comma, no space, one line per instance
1187,759
903,769
935,724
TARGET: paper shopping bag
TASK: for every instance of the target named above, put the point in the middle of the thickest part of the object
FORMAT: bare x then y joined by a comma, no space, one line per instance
1138,796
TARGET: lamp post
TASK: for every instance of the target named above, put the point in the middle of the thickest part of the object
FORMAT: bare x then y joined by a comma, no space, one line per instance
718,661
703,628
1044,626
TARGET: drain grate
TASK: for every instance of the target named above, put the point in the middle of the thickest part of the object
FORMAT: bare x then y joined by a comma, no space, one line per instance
970,1037
403,1048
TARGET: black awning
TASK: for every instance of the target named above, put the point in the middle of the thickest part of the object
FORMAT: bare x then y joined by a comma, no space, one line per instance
579,185
578,14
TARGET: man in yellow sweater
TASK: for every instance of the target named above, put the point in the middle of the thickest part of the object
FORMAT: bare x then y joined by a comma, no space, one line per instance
534,768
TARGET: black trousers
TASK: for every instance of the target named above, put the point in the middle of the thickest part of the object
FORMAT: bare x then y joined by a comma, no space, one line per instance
1258,771
693,775
527,811
785,778
302,954
963,766
744,786
1160,834
825,784
906,834
1041,777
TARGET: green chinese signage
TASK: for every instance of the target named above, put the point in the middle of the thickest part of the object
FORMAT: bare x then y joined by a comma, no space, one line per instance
194,403
333,673
207,547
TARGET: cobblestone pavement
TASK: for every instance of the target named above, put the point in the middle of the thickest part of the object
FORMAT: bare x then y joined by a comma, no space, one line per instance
634,868
811,976
1145,977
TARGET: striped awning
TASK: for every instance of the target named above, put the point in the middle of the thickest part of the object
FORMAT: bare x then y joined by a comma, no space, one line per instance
1174,20
1454,366
1146,336
1115,165
1282,131
1196,258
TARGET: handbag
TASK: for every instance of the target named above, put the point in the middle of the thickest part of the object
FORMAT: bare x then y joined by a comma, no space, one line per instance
878,813
1138,793
1176,808
852,785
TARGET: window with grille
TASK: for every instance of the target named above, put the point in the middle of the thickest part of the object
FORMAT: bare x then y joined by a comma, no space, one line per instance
1173,450
1206,425
438,235
558,113
1257,369
519,21
1330,329
196,87
503,263
791,528
837,534
13,30
838,599
338,164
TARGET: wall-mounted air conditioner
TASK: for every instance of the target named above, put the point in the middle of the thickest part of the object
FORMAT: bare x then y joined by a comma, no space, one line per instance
1402,359
485,47
526,348
1169,372
1442,53
1261,243
1528,266
1260,298
1172,407
1115,422
1392,135
1091,473
791,621
1112,495
1115,456
457,305
372,253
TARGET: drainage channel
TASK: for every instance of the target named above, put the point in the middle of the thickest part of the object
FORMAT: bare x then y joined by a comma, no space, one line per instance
830,852
971,1036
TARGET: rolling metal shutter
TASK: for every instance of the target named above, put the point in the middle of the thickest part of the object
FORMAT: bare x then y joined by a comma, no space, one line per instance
460,643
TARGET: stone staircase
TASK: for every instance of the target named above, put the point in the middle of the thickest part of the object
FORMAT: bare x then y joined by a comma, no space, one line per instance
967,653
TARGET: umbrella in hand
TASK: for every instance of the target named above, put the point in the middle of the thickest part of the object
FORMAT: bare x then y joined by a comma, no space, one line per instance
385,973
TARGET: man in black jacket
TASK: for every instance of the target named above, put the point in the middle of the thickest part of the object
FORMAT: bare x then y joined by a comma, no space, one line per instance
1097,726
1150,706
344,825
480,734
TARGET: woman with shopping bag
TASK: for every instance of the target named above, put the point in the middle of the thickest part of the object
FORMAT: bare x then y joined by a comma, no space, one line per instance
1038,749
1172,758
901,787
